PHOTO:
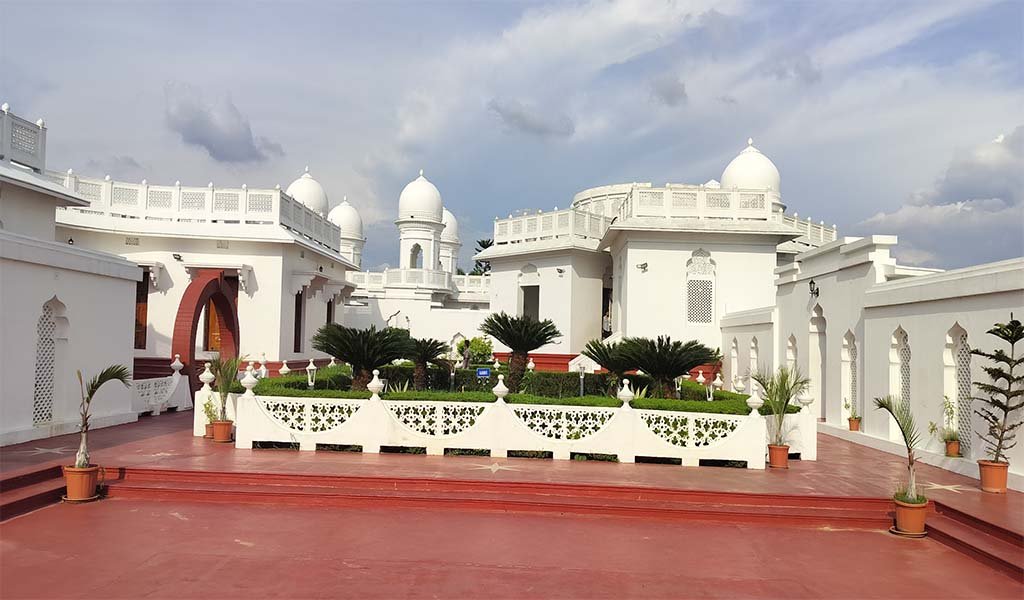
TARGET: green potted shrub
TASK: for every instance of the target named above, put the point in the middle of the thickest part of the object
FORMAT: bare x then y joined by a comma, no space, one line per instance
1004,396
854,418
225,370
210,411
911,506
82,478
364,349
521,335
423,352
947,431
780,389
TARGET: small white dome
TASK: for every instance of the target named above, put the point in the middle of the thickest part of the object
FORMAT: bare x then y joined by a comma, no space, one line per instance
751,170
420,200
451,227
309,192
347,218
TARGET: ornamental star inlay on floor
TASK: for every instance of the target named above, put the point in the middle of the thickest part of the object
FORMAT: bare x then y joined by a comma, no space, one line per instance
58,451
493,468
957,488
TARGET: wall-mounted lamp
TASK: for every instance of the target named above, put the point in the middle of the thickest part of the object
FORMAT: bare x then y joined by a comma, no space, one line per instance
643,267
177,257
560,270
815,291
71,241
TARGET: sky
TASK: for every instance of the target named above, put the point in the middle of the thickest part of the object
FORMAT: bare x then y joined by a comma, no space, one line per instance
901,118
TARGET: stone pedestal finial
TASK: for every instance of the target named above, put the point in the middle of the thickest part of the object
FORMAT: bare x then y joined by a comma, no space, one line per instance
738,386
207,378
264,371
284,370
176,364
500,390
625,394
376,386
530,365
754,401
804,398
332,363
249,382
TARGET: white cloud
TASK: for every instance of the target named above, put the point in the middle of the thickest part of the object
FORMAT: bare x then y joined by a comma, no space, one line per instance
219,128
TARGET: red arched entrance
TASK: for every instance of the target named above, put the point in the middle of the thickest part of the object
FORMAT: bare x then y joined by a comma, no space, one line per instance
208,286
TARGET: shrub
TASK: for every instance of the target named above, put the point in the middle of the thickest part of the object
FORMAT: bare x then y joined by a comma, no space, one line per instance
364,349
480,350
1005,395
612,359
665,360
522,335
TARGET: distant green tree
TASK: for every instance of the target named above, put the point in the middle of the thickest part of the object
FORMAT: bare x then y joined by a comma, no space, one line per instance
482,266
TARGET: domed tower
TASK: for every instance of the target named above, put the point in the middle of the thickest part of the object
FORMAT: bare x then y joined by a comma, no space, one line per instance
450,242
751,170
420,222
347,218
309,192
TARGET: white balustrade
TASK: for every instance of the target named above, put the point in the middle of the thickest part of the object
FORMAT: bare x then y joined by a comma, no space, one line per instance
570,223
21,140
158,394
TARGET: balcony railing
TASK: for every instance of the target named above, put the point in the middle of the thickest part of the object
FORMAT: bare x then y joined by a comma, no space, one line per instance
182,204
472,283
570,223
22,141
696,202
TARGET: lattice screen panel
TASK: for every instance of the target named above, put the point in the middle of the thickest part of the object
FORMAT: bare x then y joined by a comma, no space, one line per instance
853,373
903,351
699,300
963,393
42,397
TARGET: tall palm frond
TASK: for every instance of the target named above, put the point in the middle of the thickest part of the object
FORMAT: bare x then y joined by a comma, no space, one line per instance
111,373
522,335
780,389
664,359
364,349
611,358
901,412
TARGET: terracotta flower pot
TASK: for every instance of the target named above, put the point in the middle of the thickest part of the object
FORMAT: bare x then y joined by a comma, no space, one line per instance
854,424
209,431
222,431
953,448
778,456
910,517
82,482
993,476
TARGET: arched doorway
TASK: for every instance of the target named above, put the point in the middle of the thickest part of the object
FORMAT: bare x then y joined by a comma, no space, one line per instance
209,288
816,354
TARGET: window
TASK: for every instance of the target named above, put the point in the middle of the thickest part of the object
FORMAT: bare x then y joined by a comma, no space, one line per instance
753,356
416,257
700,287
531,301
43,393
330,311
211,328
141,307
734,361
791,352
300,309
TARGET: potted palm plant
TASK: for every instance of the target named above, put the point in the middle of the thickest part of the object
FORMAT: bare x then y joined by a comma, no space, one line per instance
911,506
210,412
226,372
780,389
423,352
82,478
364,349
947,431
665,360
612,359
1005,396
522,335
854,418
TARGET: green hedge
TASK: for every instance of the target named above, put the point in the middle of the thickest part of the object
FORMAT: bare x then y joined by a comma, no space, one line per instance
732,406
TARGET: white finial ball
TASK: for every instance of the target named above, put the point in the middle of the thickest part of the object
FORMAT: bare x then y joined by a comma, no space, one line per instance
177,182
71,172
421,172
106,178
245,186
41,123
750,141
210,185
5,107
143,182
307,168
277,187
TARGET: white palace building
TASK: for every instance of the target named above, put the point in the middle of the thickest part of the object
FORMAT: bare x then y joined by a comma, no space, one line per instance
95,271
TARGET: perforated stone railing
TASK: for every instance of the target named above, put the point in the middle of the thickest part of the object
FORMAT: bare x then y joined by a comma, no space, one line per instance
21,140
498,428
158,394
570,223
156,204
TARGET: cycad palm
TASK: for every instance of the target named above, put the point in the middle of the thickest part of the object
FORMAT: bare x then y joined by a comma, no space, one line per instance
364,349
611,358
111,373
423,352
522,335
664,360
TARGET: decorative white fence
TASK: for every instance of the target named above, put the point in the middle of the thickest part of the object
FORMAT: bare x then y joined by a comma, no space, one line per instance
161,393
570,223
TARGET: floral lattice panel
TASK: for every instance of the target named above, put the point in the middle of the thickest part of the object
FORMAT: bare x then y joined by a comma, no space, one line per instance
561,424
707,431
456,418
421,418
672,429
433,418
289,414
325,416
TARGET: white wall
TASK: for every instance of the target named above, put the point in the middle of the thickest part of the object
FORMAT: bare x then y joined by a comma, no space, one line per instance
26,212
418,313
95,328
744,328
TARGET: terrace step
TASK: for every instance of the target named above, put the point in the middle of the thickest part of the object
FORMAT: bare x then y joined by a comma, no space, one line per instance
991,544
31,490
341,491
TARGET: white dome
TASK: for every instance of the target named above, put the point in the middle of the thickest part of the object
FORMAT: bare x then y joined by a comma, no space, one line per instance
347,218
751,170
309,192
451,227
420,200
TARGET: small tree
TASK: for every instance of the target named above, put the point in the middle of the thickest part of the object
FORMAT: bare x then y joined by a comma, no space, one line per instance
522,335
364,349
664,360
611,358
111,373
1005,395
225,370
426,351
904,417
780,389
482,267
480,350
